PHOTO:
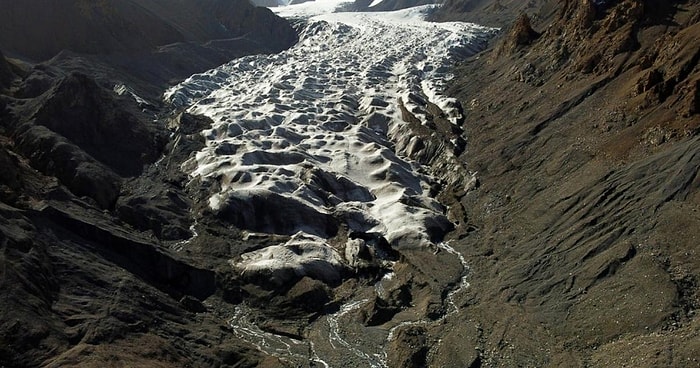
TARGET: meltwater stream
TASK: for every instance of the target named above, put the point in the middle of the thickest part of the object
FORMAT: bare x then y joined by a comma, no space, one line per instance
304,139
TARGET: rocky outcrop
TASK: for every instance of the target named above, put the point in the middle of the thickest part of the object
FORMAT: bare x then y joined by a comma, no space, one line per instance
520,34
272,213
10,71
166,273
11,180
55,156
156,201
100,123
409,348
76,131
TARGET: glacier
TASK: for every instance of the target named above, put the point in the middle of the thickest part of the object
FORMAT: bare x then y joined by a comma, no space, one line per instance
303,141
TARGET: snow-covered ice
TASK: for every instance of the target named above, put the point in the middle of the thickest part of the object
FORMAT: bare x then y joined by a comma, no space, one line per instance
302,255
314,126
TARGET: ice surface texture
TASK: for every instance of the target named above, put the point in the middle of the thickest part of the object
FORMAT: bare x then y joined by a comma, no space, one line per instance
302,140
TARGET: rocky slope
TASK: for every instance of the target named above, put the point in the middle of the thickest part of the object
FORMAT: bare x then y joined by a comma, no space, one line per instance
582,234
85,278
144,44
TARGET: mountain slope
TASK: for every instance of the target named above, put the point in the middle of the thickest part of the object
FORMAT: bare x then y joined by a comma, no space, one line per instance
582,234
81,281
39,30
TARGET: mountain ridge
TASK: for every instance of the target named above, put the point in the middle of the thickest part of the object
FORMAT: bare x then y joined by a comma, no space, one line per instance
110,26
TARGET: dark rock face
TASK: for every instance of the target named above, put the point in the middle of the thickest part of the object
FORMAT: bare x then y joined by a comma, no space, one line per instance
86,220
11,181
5,73
74,283
28,290
53,155
144,44
156,201
83,26
87,137
95,120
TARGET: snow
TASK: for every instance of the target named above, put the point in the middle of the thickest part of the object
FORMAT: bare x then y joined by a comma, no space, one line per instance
317,123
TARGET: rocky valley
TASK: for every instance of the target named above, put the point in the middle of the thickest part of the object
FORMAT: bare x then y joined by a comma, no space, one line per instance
213,184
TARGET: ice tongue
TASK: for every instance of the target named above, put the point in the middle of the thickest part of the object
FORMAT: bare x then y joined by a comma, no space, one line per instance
302,141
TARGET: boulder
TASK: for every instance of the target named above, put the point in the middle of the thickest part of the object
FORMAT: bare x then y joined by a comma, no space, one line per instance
309,294
368,250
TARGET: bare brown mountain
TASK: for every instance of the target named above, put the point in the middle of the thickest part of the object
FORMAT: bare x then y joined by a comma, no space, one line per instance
583,233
